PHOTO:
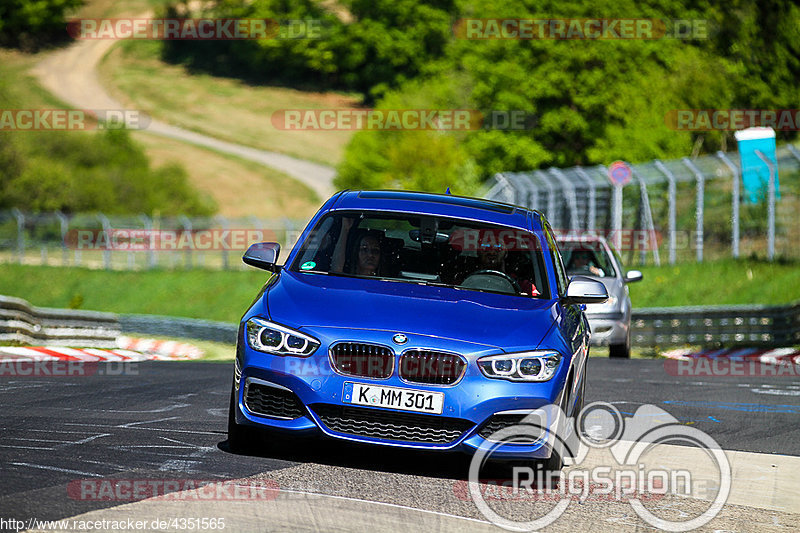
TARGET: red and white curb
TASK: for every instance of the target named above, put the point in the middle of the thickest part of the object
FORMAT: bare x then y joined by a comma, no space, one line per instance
160,349
130,349
770,356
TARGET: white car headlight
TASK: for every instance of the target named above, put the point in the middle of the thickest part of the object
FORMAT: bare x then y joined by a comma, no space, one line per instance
268,337
522,366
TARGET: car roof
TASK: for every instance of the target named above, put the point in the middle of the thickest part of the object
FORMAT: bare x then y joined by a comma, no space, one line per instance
439,204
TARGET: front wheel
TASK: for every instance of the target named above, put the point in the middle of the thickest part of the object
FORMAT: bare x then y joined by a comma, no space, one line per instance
621,351
241,439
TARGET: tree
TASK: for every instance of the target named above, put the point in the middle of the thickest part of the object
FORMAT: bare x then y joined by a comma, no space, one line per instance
30,24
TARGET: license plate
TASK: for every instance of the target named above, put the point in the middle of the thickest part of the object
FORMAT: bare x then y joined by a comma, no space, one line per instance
393,398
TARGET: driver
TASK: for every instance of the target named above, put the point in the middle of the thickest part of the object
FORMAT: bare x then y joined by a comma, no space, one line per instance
582,261
492,256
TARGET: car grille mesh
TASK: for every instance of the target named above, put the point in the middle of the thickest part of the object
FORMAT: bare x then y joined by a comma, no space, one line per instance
390,425
362,360
430,367
529,435
272,402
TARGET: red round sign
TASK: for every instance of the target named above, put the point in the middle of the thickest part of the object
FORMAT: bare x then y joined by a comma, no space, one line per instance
619,173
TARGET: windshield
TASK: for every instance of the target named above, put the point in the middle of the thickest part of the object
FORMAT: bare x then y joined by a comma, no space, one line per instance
588,258
427,250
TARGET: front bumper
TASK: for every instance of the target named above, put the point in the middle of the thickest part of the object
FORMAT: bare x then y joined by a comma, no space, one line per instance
608,328
467,412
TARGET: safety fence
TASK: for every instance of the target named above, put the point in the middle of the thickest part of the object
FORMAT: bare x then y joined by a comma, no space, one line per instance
136,242
688,209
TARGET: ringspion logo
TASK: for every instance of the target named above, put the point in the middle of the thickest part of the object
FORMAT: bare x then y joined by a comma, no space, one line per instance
635,475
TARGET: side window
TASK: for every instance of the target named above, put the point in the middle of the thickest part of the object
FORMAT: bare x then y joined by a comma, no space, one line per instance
561,276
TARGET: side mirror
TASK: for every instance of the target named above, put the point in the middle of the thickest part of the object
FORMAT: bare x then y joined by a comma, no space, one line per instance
632,276
583,290
263,255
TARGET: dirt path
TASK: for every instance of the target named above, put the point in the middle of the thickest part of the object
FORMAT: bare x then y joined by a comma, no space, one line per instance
71,75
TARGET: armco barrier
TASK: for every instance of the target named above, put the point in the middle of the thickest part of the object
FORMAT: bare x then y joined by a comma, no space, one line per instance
22,323
189,328
730,325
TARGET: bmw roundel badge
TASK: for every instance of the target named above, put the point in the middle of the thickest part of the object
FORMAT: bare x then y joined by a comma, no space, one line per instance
399,338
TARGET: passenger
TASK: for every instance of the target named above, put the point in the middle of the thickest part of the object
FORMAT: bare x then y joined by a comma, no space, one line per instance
366,257
368,251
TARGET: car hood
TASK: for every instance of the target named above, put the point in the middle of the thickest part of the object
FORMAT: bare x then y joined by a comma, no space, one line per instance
510,323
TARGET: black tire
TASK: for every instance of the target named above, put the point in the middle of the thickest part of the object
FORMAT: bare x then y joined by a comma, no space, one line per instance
552,467
241,439
582,402
573,441
621,351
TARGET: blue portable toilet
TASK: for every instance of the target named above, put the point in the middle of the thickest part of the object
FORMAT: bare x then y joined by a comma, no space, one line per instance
755,173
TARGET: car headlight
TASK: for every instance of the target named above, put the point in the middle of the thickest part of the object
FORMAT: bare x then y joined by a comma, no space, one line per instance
266,336
522,366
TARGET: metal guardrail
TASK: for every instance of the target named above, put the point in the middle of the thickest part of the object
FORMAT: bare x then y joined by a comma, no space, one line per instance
189,328
730,325
23,323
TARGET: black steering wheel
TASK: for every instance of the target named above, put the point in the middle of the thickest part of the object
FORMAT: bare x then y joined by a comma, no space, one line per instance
489,272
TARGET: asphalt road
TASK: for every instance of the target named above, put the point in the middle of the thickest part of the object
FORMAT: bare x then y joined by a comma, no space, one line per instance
168,420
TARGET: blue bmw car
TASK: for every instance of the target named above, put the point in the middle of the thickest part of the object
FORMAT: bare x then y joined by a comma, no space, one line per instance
412,320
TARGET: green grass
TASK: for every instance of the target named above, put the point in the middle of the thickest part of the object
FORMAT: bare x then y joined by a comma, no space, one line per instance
215,352
223,108
224,295
212,295
720,282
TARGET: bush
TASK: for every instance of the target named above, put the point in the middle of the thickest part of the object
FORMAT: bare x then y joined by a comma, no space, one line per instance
73,171
32,24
